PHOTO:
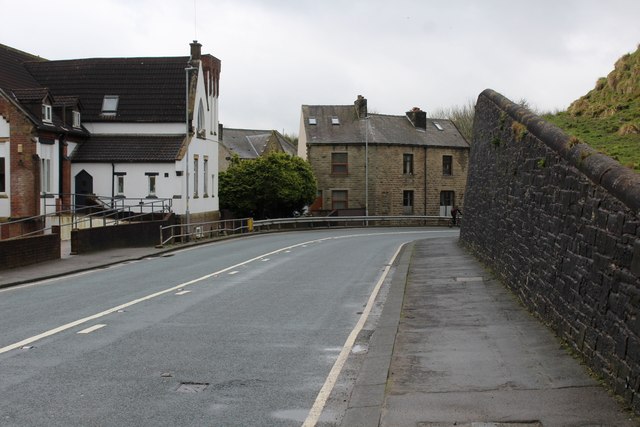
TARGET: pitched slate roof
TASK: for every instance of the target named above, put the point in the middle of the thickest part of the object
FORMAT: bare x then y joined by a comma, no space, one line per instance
251,143
148,89
13,74
129,148
381,129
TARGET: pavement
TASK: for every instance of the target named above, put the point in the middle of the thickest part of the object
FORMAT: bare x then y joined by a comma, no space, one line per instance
453,347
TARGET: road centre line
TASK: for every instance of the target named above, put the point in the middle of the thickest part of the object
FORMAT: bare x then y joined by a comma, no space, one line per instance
78,322
91,329
327,388
121,307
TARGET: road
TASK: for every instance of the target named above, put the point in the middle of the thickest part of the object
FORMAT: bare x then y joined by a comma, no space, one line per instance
243,332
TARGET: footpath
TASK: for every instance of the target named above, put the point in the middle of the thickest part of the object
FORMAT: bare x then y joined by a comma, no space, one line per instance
462,351
453,347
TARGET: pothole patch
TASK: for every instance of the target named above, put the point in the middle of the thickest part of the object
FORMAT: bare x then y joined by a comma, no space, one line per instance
482,424
192,387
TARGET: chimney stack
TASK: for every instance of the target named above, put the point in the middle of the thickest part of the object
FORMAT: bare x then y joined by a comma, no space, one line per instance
361,107
418,118
195,50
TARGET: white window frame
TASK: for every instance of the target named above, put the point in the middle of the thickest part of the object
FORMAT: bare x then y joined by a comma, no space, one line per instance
195,176
46,113
205,174
76,119
120,185
153,183
45,175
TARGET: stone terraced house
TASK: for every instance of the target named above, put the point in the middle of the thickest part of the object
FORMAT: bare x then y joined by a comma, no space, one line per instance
379,164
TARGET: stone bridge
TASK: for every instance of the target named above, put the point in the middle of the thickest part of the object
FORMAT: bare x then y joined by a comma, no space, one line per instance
559,224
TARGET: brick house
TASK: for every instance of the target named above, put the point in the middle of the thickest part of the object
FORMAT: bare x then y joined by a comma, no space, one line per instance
36,130
136,138
251,144
415,165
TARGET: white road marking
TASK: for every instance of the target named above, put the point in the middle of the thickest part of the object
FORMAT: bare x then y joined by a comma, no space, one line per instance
325,391
182,292
231,273
264,259
92,328
121,307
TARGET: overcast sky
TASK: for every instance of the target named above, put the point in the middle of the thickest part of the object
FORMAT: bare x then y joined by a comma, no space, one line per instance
279,54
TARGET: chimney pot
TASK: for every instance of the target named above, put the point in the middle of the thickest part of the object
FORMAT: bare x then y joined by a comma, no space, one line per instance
361,107
196,52
418,118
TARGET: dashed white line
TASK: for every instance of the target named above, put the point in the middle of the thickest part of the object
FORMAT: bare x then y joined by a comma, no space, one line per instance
229,270
231,273
92,328
182,292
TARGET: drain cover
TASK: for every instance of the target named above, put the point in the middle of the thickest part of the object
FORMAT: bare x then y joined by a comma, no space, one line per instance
484,424
192,387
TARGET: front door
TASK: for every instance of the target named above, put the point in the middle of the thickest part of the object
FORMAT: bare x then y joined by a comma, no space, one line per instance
446,202
84,187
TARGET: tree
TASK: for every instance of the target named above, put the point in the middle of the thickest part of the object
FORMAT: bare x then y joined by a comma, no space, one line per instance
461,116
274,186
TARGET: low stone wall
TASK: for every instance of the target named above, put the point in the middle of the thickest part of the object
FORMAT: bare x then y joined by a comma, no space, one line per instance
559,224
29,250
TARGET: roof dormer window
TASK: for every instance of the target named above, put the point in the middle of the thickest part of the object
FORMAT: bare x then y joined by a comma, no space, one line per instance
46,113
312,121
110,105
335,120
76,119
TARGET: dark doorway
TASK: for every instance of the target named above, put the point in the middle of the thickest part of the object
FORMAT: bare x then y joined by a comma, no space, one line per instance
84,187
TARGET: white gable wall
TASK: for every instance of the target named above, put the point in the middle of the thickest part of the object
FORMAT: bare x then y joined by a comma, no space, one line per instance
171,179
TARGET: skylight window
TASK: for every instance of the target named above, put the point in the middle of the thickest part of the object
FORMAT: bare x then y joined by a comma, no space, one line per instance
335,120
313,121
110,105
438,126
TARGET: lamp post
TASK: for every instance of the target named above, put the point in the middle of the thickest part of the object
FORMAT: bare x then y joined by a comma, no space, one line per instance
366,165
186,114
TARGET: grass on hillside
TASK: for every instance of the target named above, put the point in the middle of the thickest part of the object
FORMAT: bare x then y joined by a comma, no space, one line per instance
602,134
608,117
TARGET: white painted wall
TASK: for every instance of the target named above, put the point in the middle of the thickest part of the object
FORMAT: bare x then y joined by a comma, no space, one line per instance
168,183
177,128
4,128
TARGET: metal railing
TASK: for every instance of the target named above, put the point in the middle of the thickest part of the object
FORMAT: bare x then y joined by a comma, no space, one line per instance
104,211
182,233
348,221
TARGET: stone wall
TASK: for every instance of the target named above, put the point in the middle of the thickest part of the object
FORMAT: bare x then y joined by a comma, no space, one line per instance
559,224
387,182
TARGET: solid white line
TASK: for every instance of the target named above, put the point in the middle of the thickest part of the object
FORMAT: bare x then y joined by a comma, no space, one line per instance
325,391
91,329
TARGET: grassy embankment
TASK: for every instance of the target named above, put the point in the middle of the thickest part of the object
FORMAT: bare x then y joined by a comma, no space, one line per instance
608,117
